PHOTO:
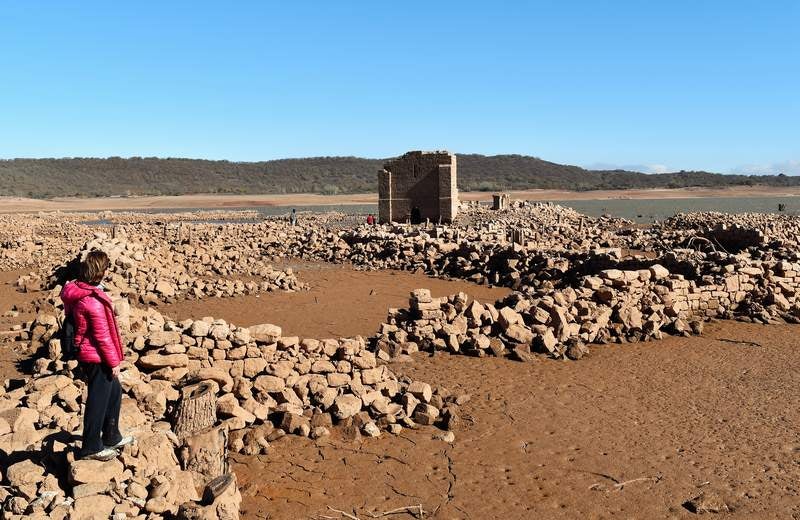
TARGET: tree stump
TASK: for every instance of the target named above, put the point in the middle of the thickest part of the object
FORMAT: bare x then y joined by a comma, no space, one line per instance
196,411
205,447
204,454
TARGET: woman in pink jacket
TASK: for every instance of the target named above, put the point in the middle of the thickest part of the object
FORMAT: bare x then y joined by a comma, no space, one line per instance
99,348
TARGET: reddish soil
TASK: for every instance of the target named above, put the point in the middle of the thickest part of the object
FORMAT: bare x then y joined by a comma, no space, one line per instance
554,439
11,352
342,302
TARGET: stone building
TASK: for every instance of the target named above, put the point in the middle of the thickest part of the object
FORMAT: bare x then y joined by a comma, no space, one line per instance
418,185
500,201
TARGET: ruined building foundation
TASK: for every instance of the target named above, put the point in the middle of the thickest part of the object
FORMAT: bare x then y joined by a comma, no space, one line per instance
423,180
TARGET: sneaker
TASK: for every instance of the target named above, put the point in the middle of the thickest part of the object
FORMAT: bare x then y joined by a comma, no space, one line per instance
125,441
103,455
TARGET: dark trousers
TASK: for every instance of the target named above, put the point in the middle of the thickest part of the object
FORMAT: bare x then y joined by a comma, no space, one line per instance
101,417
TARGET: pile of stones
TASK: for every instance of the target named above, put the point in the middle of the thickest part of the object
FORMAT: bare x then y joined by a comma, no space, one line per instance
43,479
33,241
154,274
205,216
264,386
613,305
617,306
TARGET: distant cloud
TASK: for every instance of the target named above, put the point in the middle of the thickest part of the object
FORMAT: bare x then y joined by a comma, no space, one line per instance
657,168
644,168
785,167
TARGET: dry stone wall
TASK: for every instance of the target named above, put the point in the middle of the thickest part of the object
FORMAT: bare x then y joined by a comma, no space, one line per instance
266,385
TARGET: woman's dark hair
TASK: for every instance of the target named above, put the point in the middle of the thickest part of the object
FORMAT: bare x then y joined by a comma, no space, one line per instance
93,267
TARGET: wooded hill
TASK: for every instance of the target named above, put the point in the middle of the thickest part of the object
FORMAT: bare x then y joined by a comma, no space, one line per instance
89,177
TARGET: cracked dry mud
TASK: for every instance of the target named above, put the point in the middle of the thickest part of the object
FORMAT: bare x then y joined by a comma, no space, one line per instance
633,431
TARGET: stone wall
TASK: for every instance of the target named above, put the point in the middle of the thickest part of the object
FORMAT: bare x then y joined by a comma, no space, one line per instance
426,180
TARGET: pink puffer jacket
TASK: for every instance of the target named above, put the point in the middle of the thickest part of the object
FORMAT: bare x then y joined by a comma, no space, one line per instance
96,333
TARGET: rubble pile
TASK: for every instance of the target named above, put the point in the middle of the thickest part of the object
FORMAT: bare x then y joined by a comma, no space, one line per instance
734,233
39,422
544,217
204,216
32,241
616,306
264,386
612,306
154,274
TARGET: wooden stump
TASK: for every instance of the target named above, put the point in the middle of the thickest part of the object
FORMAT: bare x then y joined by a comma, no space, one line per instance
204,454
196,411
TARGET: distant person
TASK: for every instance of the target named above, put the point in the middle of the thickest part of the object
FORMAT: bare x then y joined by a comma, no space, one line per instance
293,217
370,220
416,215
99,351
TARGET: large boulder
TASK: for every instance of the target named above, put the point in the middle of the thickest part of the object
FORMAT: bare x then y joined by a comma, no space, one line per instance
265,333
93,507
24,473
346,405
93,471
267,384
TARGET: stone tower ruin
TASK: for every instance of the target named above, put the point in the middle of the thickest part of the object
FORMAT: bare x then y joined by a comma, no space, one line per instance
422,180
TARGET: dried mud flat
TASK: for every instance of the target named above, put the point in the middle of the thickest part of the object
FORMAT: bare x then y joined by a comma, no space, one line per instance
341,302
633,431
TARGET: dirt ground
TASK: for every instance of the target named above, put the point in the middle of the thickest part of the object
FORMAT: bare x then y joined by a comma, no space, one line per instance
342,302
11,353
552,439
216,201
631,431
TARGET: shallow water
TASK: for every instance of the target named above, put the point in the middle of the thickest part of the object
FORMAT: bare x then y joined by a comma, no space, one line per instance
648,210
638,210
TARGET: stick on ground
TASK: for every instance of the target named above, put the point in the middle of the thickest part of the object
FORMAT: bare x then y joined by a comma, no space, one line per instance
348,515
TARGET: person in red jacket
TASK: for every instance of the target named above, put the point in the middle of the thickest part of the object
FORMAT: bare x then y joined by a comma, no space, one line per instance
99,349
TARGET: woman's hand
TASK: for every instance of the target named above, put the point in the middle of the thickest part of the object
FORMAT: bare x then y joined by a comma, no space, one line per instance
115,372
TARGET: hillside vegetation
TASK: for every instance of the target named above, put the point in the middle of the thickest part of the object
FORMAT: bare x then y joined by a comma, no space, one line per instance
89,177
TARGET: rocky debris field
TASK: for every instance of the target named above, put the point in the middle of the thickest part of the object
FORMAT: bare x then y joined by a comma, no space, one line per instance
151,273
578,282
262,385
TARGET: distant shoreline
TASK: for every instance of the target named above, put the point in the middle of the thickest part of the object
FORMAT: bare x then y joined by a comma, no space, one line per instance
213,201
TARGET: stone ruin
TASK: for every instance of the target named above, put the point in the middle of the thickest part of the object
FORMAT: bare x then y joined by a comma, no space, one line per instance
256,385
500,201
425,181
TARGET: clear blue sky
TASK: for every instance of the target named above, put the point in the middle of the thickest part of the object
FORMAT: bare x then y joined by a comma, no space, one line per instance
678,84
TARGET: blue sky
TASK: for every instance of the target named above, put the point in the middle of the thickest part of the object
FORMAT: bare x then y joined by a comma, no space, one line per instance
656,85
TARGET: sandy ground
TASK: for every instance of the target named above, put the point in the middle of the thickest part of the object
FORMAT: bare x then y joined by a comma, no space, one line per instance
548,439
17,204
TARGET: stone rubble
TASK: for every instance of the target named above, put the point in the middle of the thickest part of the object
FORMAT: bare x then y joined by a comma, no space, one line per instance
577,282
268,385
156,274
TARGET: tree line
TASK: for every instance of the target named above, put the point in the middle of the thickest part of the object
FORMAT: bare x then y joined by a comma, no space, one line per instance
116,176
